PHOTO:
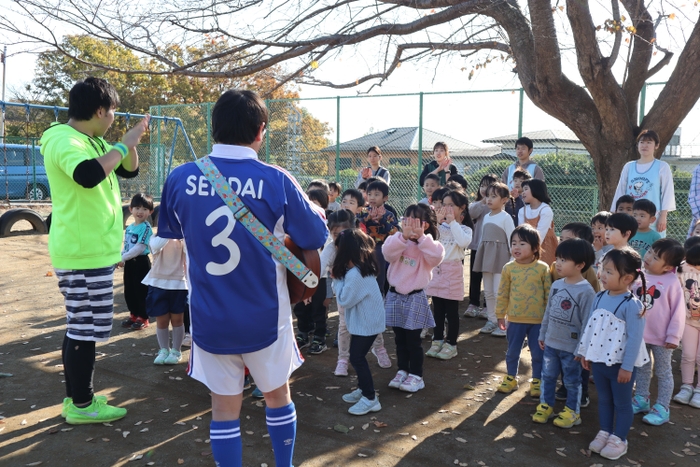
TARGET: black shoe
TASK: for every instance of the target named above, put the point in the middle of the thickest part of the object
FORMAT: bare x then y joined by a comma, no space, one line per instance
560,395
585,401
128,322
317,347
302,341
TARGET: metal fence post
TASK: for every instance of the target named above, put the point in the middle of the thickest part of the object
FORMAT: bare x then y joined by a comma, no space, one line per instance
420,143
208,127
520,113
337,139
267,136
642,103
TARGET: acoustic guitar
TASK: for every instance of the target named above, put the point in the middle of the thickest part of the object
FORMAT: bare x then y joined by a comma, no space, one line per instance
298,291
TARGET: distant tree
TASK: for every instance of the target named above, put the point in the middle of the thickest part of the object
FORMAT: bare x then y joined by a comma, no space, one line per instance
56,72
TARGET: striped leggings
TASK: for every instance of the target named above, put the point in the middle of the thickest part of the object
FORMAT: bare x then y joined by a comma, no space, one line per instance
89,301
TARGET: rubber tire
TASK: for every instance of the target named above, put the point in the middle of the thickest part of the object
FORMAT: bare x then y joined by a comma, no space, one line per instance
11,217
42,188
48,222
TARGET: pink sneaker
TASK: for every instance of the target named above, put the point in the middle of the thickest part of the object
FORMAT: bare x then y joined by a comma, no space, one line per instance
398,379
615,448
601,439
382,357
341,369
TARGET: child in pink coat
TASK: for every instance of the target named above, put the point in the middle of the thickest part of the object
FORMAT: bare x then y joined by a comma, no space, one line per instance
412,254
447,285
665,321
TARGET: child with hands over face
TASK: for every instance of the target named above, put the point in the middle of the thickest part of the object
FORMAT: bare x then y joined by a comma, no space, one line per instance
412,254
447,284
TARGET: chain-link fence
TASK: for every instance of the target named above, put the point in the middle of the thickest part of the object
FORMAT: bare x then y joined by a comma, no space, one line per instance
328,138
22,172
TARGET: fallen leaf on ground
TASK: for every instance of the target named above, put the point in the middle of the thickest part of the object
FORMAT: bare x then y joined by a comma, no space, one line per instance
529,435
359,454
461,440
181,461
136,457
677,454
509,449
379,424
365,426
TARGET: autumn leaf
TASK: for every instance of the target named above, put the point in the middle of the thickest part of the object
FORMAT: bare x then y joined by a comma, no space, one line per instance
314,64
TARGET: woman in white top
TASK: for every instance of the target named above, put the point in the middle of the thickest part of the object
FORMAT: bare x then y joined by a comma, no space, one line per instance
649,178
539,214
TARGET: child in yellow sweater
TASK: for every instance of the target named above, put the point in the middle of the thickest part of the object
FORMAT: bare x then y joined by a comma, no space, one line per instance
522,297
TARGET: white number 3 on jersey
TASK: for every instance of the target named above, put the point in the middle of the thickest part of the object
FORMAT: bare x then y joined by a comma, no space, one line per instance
222,239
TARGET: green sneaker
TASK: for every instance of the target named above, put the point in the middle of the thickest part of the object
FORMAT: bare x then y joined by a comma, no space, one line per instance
68,401
161,357
97,412
173,358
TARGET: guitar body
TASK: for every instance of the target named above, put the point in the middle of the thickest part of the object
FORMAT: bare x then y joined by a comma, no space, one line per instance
298,291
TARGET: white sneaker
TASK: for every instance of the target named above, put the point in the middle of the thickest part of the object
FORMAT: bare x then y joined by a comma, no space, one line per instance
353,397
684,395
187,342
489,328
412,383
365,406
695,401
483,313
499,332
341,369
434,349
162,355
447,352
472,311
398,379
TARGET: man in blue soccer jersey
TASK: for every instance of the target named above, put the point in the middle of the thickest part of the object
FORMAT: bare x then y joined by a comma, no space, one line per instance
239,303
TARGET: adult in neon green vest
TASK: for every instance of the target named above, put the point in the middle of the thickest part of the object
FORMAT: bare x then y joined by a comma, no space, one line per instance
86,233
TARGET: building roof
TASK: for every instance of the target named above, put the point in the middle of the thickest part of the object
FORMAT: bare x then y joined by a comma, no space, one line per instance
401,139
549,136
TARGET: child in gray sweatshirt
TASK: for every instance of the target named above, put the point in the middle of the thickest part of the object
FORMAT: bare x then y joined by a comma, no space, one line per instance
568,307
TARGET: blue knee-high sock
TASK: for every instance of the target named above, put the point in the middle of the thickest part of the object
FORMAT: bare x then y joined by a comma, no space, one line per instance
282,426
226,445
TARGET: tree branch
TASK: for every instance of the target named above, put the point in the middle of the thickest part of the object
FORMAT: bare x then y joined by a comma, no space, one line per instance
618,36
680,94
640,57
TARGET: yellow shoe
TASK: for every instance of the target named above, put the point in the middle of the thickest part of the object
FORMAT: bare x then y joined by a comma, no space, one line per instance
508,385
543,414
567,418
535,390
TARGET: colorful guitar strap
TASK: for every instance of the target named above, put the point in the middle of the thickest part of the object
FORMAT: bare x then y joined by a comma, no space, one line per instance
242,214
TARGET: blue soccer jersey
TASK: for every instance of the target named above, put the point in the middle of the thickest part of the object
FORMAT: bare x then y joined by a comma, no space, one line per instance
238,291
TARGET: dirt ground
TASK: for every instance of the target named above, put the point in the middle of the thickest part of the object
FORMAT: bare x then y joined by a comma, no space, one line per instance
168,419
